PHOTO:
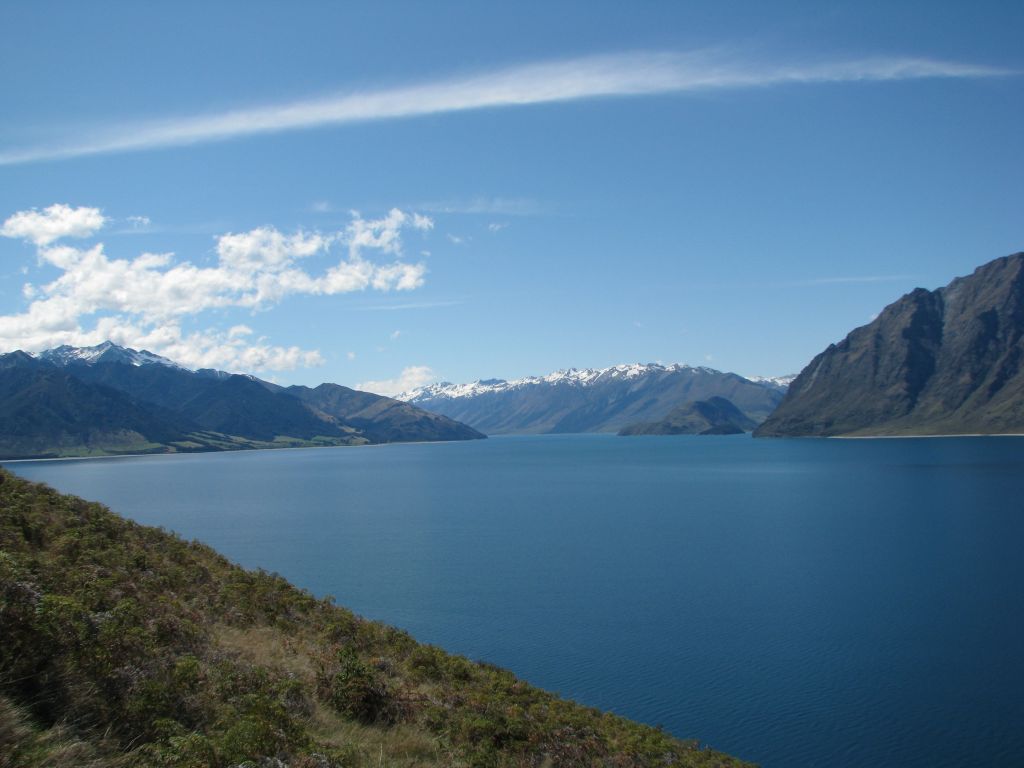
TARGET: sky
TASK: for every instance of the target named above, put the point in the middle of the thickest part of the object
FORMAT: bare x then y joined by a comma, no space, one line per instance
388,194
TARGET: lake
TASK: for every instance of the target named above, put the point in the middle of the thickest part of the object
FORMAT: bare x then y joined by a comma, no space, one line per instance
792,602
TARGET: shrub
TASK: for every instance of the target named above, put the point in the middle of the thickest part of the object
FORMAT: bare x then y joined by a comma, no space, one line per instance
357,690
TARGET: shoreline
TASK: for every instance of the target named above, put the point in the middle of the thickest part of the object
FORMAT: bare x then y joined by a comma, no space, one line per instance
239,450
447,442
919,437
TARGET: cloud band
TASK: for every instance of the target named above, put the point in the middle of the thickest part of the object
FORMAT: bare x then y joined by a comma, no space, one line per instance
541,83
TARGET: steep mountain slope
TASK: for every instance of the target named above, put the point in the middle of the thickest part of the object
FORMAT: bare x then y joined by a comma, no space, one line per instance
714,416
233,404
45,411
244,405
591,400
125,646
947,361
109,399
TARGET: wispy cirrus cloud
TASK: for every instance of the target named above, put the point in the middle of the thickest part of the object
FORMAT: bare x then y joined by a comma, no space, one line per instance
852,280
500,206
630,74
407,305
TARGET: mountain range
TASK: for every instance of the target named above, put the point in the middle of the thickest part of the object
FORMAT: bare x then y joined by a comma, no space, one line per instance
109,399
948,361
593,399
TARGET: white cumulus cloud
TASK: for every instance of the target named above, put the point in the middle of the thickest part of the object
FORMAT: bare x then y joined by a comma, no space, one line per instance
410,378
50,224
383,233
145,300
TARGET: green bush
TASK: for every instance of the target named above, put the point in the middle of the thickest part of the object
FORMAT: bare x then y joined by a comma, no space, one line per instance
356,689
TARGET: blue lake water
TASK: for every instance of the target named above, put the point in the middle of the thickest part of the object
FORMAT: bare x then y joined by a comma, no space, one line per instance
792,602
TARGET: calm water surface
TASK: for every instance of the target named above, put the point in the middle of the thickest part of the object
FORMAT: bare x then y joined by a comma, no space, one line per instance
793,602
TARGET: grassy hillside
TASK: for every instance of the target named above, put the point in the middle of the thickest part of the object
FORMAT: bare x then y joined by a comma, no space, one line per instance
124,645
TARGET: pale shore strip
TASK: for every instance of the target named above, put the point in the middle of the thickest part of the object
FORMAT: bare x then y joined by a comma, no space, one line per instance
237,450
918,437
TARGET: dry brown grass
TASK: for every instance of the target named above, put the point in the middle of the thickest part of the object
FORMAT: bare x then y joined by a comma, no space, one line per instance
268,647
394,746
20,744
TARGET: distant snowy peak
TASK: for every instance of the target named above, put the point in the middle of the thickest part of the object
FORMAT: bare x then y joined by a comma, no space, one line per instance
579,377
107,352
782,382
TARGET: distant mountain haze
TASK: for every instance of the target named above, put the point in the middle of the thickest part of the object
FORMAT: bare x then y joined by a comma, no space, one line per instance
592,400
947,361
110,400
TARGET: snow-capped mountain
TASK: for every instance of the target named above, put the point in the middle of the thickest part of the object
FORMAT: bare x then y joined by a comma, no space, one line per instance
591,399
580,377
107,352
782,382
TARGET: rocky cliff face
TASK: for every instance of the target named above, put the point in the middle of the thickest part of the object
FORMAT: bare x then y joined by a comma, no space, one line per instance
947,361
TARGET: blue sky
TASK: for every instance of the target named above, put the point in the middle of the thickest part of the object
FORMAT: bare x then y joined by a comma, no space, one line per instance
387,193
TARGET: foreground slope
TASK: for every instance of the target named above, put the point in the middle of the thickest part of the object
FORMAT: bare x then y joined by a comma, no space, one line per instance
124,645
592,400
949,361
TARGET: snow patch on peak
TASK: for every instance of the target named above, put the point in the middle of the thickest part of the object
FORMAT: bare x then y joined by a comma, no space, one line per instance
106,352
575,377
782,382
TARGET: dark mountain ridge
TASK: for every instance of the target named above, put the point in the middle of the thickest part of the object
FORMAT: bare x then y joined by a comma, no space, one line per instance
947,361
714,416
109,399
43,408
233,405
